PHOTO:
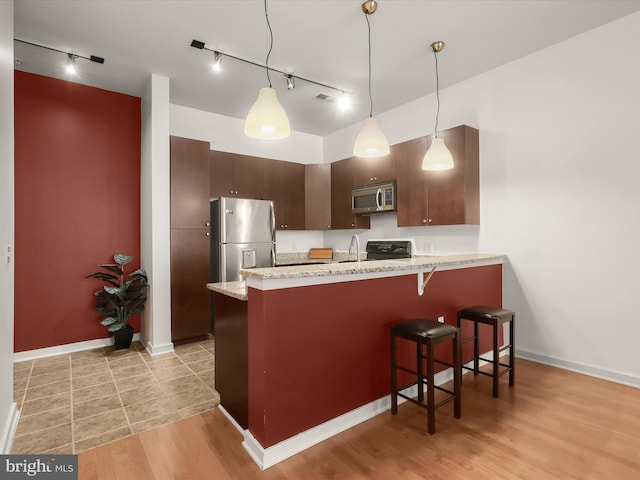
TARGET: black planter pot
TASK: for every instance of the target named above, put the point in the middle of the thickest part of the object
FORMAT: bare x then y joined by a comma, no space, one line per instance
123,337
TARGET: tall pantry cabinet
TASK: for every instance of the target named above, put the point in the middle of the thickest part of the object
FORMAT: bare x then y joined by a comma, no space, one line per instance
190,300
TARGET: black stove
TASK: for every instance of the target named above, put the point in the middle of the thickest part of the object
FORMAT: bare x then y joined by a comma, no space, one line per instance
388,249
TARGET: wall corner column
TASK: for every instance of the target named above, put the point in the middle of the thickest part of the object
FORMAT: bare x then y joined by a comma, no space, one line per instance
155,226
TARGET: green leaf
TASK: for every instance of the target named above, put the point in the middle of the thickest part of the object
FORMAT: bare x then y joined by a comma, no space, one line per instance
122,259
115,327
112,268
108,321
112,290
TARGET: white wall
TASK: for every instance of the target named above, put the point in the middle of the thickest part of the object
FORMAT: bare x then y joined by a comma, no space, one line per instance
8,413
560,163
226,134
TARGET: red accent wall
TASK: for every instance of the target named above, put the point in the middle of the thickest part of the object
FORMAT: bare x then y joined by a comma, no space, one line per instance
77,187
320,351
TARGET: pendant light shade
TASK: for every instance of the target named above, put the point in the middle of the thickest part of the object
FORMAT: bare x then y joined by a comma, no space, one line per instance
267,119
371,142
438,157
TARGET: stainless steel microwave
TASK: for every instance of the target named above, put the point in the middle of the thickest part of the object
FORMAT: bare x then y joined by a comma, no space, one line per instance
374,198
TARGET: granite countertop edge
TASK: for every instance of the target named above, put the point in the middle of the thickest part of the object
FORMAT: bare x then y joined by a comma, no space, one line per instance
348,268
238,289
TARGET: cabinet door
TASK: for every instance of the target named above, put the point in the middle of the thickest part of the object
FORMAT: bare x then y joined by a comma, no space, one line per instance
284,184
412,184
373,170
221,174
454,194
235,175
248,174
317,205
189,183
190,299
342,179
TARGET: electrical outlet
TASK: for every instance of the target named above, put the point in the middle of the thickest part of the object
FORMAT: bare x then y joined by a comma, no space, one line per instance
441,319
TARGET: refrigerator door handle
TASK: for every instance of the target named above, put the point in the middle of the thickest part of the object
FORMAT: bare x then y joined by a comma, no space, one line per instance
222,268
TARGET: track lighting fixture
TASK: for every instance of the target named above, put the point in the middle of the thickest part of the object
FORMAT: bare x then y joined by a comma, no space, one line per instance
371,142
201,46
70,65
217,60
438,157
291,84
266,119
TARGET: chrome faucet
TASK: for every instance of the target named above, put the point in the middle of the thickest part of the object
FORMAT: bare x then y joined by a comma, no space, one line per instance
355,237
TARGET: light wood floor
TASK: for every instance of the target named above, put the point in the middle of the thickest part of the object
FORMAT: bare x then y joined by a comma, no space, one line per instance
553,424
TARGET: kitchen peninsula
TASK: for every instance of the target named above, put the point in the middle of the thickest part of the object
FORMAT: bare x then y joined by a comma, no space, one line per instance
302,352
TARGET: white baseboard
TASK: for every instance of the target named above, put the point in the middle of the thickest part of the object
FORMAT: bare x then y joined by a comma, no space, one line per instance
267,457
157,349
9,431
68,348
591,370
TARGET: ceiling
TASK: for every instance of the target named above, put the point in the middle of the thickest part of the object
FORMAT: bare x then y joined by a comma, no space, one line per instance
323,40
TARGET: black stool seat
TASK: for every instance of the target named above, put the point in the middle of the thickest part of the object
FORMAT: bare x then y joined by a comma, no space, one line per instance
423,328
427,333
494,316
489,314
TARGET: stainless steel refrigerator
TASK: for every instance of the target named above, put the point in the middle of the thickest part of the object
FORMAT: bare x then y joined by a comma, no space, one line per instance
242,236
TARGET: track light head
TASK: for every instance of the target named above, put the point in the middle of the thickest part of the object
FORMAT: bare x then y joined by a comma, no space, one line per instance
217,61
291,84
71,64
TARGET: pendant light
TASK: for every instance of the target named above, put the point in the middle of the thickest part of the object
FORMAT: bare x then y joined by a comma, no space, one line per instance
438,157
267,119
371,142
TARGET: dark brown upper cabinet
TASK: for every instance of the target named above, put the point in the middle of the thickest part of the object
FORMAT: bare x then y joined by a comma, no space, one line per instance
235,175
345,174
284,184
317,186
189,183
374,170
450,197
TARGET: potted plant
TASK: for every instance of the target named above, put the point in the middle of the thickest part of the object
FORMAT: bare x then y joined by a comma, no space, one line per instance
121,298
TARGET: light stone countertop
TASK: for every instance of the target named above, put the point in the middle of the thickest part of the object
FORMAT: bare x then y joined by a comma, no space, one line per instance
231,289
323,269
348,268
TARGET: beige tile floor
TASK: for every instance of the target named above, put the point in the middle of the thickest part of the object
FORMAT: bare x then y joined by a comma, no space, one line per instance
69,403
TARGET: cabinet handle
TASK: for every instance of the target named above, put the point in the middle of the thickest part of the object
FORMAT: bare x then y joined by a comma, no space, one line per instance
424,220
353,225
430,220
207,234
231,192
207,224
236,192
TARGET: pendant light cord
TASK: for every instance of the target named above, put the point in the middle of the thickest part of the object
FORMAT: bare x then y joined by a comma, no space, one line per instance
266,14
370,96
435,54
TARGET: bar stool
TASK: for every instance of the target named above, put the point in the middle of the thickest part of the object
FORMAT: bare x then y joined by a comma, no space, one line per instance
495,317
428,333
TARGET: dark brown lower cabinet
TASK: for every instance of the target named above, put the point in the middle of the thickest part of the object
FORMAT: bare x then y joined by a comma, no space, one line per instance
190,299
232,364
